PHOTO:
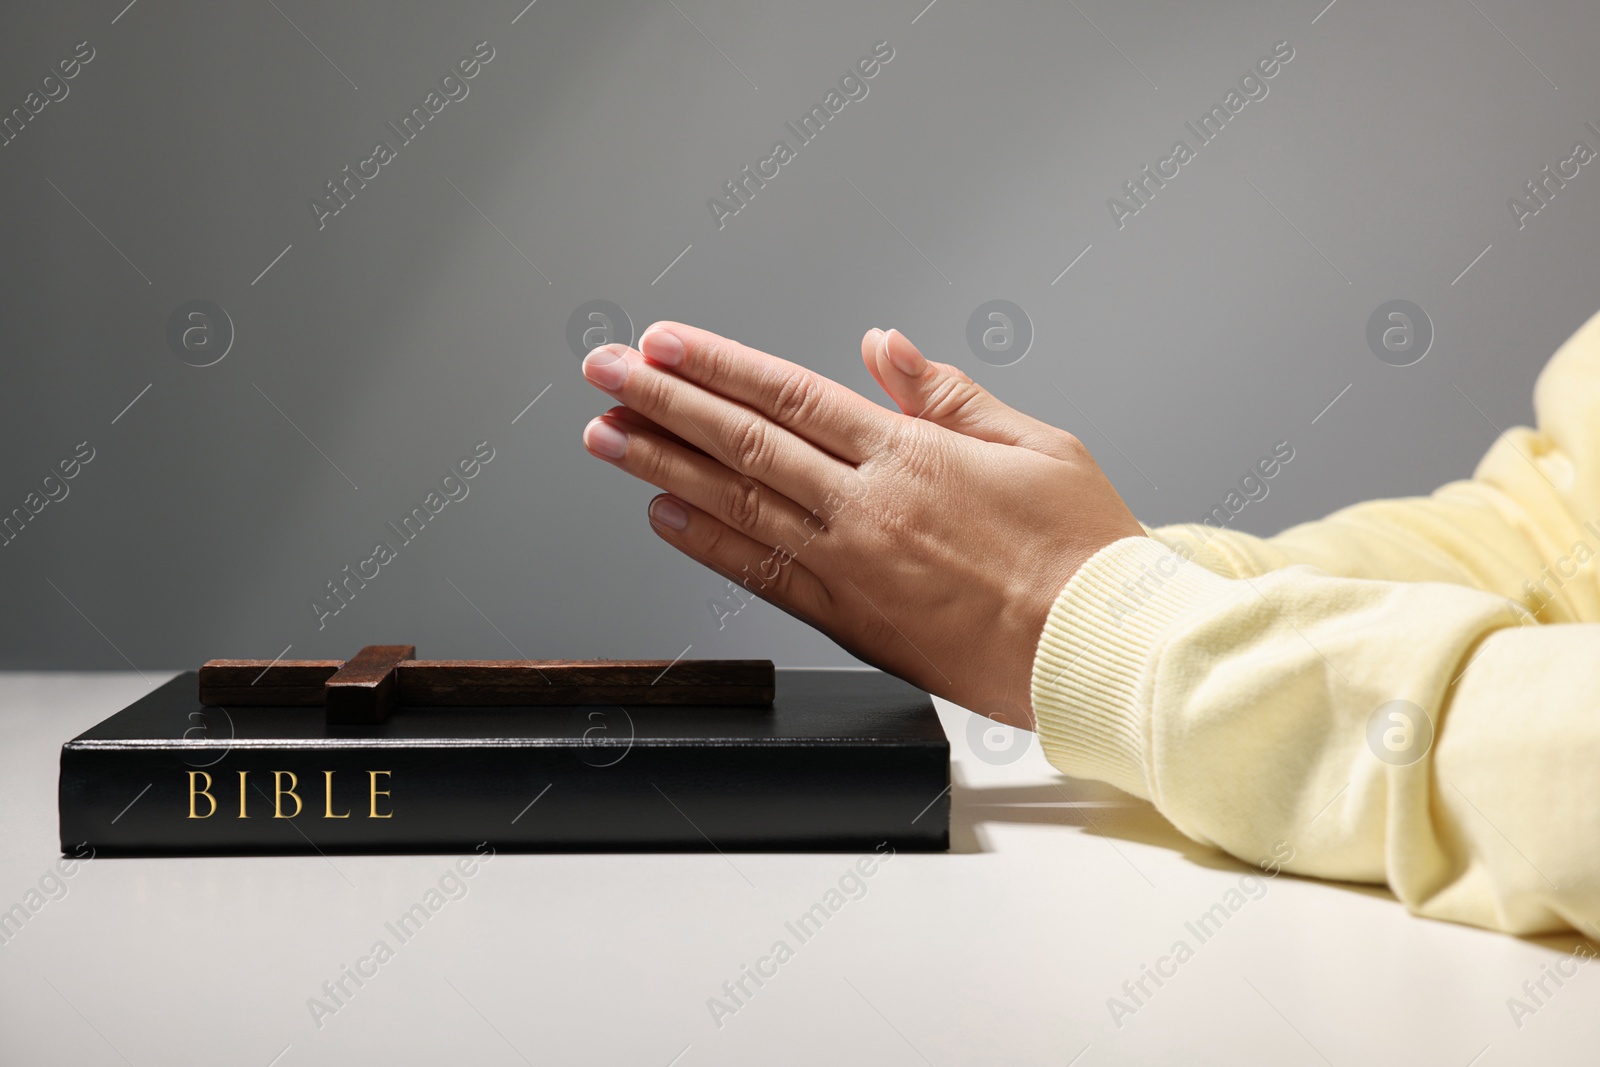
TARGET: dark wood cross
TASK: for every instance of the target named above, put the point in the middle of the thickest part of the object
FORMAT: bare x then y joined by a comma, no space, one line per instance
368,686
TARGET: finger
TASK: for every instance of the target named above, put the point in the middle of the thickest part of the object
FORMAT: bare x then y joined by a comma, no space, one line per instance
775,575
803,402
743,440
871,344
633,420
945,396
754,509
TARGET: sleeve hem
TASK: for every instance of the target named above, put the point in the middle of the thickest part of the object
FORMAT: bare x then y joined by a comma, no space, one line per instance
1098,650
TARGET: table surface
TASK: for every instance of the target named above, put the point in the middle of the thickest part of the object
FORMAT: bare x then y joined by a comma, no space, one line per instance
1007,950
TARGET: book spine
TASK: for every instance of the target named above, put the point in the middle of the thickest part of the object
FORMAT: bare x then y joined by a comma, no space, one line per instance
404,797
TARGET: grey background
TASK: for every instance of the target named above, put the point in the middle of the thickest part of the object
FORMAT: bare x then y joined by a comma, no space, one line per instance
1221,320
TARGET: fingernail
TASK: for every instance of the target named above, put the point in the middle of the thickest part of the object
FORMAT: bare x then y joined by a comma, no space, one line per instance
905,357
875,335
662,346
606,368
665,511
605,439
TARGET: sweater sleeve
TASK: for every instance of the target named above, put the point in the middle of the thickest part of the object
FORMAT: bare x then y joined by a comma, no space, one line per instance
1407,692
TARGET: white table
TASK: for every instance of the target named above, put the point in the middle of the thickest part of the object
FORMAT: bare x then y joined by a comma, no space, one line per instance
1004,951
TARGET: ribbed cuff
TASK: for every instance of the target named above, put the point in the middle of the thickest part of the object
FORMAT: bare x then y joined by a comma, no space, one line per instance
1097,654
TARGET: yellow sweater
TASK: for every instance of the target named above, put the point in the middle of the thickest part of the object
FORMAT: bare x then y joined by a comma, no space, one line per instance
1247,686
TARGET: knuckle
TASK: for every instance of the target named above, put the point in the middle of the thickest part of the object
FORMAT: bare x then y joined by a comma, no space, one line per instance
781,584
742,505
714,546
654,464
714,540
712,365
795,399
752,446
653,392
773,573
950,399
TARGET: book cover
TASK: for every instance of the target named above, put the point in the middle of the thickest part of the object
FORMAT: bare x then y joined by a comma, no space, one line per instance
841,761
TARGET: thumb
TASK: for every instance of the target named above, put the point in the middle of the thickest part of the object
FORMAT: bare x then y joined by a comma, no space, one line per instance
945,396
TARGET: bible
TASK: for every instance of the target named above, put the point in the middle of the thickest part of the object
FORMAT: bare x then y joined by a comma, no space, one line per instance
388,753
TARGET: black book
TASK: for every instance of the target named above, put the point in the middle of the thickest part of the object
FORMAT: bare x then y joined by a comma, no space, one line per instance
841,761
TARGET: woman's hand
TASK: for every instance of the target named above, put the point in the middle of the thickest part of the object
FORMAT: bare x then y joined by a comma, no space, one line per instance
930,542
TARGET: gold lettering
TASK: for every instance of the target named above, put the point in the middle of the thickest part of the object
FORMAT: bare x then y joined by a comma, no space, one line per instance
277,801
376,793
327,805
195,793
242,815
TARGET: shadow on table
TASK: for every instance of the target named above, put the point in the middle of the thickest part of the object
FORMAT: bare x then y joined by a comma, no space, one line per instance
1107,812
1096,808
1068,802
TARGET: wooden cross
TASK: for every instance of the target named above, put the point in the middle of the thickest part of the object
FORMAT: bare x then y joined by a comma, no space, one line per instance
379,678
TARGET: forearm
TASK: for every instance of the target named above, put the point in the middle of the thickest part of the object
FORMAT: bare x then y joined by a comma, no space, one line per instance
1241,708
